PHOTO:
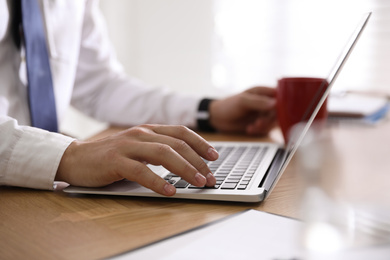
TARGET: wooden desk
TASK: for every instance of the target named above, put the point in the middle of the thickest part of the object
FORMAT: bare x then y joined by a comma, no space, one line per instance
54,225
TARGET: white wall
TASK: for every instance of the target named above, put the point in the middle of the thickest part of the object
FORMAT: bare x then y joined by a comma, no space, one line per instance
164,42
175,43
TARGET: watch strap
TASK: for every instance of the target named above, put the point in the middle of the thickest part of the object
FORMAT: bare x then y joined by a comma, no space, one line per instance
203,116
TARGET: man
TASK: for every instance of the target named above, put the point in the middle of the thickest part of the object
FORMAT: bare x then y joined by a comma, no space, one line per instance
86,74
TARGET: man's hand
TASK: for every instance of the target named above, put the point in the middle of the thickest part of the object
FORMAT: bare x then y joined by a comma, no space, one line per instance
251,112
125,155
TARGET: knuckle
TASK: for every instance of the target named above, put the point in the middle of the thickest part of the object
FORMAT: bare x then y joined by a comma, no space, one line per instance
201,143
180,145
148,126
202,166
138,131
182,130
188,168
136,172
155,182
163,149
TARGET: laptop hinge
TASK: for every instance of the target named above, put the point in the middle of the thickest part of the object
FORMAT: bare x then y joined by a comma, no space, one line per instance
273,170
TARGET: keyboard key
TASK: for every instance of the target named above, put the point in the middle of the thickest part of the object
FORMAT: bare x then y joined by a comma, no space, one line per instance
232,179
181,184
234,168
195,187
229,185
241,187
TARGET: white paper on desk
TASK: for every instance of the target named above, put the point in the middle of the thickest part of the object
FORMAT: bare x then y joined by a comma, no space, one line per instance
248,235
354,105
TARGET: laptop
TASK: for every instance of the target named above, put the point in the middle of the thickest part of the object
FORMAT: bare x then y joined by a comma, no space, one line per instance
245,171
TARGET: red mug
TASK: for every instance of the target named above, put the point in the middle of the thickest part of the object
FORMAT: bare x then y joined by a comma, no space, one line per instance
296,99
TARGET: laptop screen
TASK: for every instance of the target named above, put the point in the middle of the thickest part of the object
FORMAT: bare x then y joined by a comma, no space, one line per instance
307,120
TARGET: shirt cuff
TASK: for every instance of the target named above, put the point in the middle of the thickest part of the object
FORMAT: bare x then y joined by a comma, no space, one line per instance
35,158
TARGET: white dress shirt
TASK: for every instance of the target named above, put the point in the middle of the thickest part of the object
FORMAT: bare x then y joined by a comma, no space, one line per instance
87,75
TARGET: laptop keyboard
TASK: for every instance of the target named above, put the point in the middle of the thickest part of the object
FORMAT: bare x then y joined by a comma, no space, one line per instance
234,168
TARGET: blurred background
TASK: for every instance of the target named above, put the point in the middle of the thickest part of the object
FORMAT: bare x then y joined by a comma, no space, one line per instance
218,47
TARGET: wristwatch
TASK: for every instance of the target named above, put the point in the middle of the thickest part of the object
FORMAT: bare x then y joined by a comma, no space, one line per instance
203,116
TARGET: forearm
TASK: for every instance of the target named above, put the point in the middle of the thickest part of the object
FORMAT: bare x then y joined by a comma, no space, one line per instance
131,102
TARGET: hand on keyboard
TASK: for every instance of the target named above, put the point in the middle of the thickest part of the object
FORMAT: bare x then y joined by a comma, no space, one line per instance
124,155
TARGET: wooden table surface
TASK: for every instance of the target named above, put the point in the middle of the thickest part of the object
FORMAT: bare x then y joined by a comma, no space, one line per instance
37,224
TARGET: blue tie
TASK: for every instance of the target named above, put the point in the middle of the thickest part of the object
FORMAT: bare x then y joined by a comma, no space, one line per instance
40,83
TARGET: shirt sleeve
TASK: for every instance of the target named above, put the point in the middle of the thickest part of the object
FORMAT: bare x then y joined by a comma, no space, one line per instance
103,90
29,157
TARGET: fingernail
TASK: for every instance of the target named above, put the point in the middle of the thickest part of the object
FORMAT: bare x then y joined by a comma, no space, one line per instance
213,153
169,189
200,179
